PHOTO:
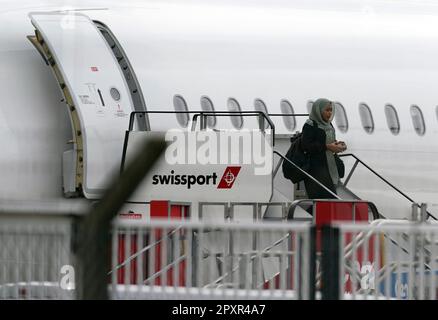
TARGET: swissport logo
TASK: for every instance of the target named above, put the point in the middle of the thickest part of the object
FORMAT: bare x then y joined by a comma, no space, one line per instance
190,180
228,178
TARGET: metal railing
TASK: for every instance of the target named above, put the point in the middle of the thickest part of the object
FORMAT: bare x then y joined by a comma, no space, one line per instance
169,260
175,259
307,175
298,203
202,114
380,177
36,257
229,209
387,260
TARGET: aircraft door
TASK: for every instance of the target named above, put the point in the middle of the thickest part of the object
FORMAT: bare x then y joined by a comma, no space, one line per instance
96,93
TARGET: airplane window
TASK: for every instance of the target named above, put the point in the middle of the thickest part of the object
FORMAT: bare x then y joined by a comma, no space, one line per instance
366,118
207,105
341,117
392,119
259,105
180,105
418,120
309,106
233,106
289,121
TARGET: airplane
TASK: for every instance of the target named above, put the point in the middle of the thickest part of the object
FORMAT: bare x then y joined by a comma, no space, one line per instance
375,59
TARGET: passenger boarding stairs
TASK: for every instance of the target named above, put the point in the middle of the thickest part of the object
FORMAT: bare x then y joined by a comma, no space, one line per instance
404,252
285,191
223,252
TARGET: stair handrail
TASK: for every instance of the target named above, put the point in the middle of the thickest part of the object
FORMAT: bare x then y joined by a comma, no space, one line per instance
379,176
307,175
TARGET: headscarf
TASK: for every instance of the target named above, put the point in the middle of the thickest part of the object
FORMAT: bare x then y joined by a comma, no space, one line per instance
316,115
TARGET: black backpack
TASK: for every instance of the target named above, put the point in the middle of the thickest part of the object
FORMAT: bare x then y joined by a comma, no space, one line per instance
298,157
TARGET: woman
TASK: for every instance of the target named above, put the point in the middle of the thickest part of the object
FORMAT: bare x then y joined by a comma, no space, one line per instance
319,140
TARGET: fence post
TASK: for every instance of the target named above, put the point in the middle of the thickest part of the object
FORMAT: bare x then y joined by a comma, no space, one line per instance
423,212
312,263
330,263
414,214
93,233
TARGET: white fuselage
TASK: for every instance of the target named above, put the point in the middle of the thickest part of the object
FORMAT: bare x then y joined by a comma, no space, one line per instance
360,54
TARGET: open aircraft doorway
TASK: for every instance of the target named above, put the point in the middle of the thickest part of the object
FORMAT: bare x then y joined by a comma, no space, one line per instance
100,89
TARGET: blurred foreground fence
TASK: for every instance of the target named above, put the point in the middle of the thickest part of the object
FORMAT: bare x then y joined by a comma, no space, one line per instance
387,260
176,259
193,260
36,257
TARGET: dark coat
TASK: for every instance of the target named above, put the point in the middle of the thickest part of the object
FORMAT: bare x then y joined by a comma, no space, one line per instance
313,141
